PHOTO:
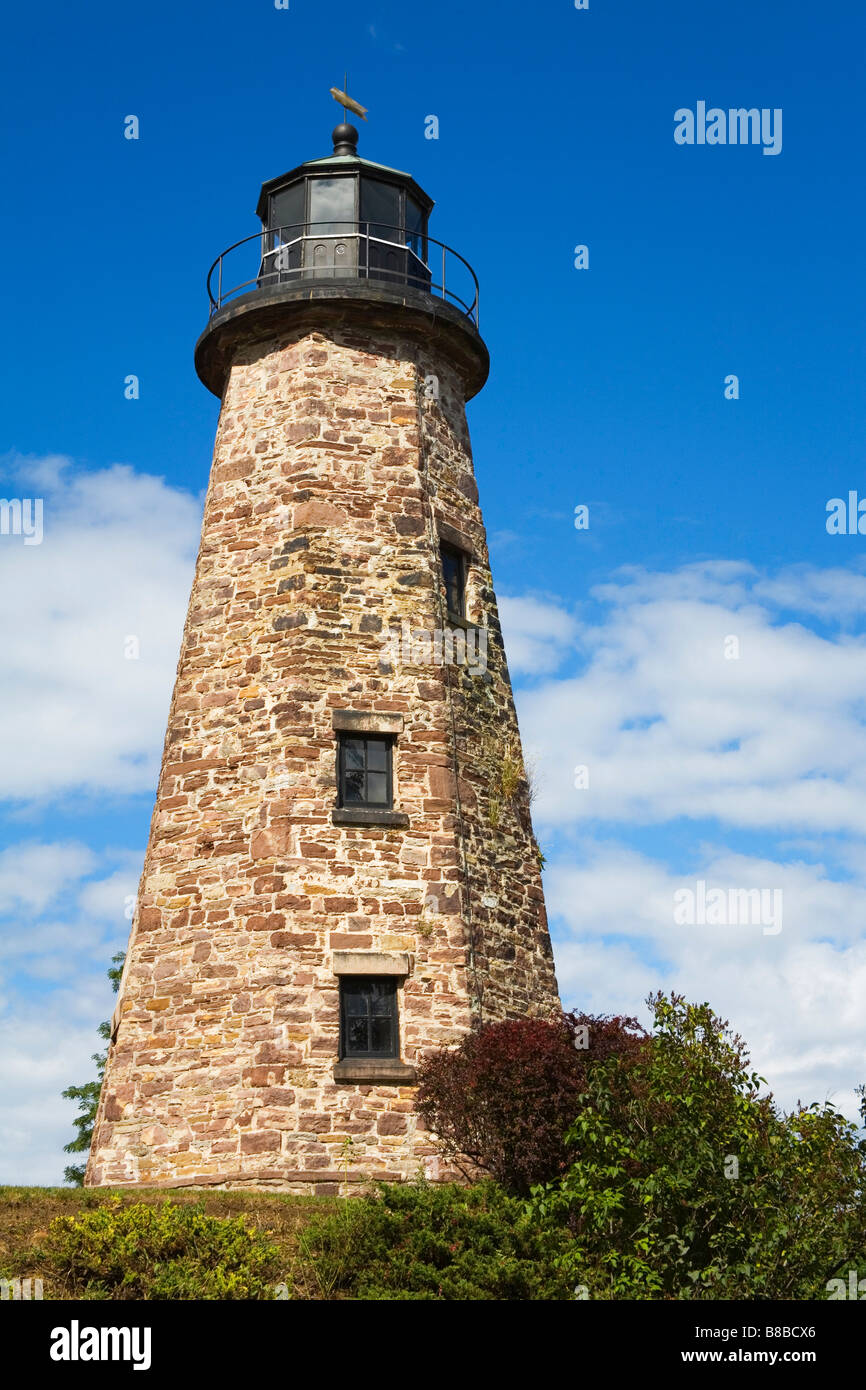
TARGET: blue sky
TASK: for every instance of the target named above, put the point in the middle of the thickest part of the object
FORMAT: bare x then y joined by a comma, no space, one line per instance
707,515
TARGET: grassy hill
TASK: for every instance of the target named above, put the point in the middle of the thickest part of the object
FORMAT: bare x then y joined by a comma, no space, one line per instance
26,1213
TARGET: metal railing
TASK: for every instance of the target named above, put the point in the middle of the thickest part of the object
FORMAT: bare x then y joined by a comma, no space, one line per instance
346,250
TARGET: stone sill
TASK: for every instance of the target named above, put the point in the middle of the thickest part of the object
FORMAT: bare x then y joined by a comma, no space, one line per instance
372,1070
454,620
349,815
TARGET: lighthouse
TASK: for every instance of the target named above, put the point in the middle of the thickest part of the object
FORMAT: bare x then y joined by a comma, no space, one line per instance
341,874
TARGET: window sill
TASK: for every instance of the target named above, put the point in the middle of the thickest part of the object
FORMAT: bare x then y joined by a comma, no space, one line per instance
365,815
455,620
371,1070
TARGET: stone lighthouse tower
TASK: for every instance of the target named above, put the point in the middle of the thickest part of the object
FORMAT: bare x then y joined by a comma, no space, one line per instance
341,874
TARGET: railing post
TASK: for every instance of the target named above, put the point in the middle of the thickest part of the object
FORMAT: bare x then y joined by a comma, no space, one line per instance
220,285
444,296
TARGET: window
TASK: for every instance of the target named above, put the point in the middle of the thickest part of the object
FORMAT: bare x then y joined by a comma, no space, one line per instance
332,207
380,209
415,229
365,772
287,211
368,1017
454,575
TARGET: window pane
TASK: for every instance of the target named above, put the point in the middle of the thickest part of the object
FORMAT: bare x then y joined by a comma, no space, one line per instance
353,786
381,994
353,752
414,216
356,1035
365,772
414,237
332,206
369,1016
287,210
452,573
377,755
382,1036
380,209
377,788
355,1001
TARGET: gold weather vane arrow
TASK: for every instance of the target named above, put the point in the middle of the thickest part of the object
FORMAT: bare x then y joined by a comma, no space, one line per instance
349,103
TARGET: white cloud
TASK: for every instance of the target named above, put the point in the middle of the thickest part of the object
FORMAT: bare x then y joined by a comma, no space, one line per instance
537,634
32,875
116,561
835,594
798,998
37,1121
668,726
107,899
770,745
61,920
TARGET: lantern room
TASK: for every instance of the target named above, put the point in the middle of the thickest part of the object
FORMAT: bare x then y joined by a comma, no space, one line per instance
343,217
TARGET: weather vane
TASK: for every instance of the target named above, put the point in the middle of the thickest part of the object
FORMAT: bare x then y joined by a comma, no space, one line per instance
348,103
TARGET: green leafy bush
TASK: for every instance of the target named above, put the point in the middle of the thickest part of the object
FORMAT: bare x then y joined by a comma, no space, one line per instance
443,1242
159,1252
690,1184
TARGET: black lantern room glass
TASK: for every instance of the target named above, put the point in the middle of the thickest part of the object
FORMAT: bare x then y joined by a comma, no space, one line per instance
337,225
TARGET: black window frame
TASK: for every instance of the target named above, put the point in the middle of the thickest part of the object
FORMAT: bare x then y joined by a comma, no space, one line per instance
384,1007
447,549
344,739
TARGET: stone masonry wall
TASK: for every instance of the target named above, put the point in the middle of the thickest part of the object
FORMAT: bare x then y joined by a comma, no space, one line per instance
338,456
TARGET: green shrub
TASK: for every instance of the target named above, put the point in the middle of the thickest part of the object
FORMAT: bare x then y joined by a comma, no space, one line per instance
159,1252
418,1241
690,1184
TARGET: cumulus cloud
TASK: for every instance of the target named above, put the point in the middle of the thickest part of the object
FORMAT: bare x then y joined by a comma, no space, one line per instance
32,875
695,699
62,917
799,997
714,701
115,563
537,634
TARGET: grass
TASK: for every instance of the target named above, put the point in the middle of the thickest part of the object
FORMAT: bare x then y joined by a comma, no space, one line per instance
26,1212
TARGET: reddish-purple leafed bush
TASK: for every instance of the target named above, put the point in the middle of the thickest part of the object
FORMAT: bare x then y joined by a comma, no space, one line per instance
504,1098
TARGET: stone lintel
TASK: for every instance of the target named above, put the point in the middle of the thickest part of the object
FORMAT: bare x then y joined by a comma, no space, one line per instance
372,963
452,536
366,722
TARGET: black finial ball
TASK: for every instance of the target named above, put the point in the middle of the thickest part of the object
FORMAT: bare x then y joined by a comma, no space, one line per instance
345,138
